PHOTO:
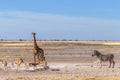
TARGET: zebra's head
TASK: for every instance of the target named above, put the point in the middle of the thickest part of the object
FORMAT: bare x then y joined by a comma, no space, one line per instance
96,53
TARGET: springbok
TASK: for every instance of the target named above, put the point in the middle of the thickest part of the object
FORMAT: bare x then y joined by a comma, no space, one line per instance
34,64
18,63
104,58
30,64
4,64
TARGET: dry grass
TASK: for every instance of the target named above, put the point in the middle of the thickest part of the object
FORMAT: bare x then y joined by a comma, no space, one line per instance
50,42
61,53
64,78
15,43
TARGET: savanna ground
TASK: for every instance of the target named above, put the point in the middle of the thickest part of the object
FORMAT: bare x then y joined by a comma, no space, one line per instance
67,60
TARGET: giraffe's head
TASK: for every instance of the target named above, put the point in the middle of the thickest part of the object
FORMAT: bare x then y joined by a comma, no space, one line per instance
33,34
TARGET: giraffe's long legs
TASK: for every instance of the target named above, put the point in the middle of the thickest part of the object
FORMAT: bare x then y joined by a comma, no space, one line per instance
34,58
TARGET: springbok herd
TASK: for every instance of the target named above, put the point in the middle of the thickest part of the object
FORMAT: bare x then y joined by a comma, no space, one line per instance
17,63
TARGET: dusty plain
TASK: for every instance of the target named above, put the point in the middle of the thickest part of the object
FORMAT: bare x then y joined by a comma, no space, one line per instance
67,60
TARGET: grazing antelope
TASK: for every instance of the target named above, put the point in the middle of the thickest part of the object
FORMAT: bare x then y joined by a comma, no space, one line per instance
4,64
104,58
30,64
34,64
18,63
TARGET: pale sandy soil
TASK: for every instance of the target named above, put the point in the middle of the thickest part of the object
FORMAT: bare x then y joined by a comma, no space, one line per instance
68,70
66,62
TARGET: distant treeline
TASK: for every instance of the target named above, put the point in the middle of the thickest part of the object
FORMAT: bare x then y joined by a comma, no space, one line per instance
55,40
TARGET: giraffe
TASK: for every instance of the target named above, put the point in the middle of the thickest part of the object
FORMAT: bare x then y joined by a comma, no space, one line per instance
38,52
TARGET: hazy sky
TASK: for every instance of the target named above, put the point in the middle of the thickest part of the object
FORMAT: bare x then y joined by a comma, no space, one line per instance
60,19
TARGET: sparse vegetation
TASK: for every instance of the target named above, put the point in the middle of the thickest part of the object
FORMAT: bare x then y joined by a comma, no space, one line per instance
64,78
18,43
76,53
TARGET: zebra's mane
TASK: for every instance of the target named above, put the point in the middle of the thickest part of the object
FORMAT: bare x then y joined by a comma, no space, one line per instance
97,53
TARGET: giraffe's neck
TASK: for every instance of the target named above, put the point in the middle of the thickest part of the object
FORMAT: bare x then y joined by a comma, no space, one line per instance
35,43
